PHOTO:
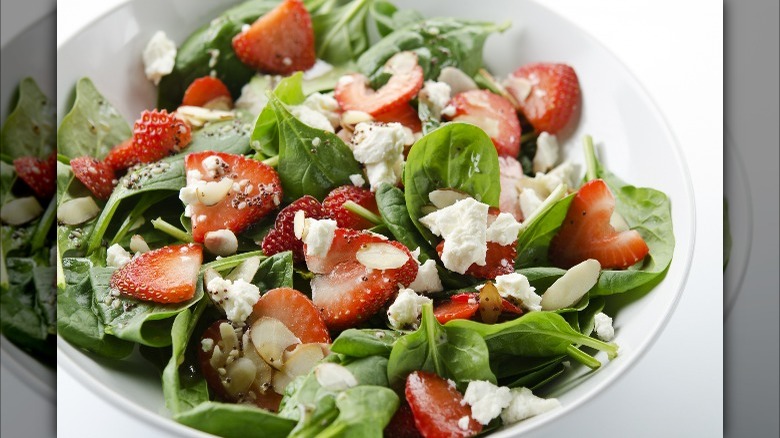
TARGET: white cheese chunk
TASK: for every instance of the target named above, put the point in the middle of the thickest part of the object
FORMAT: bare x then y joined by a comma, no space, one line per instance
405,311
486,400
326,105
463,225
357,180
378,142
515,286
529,202
436,95
546,152
318,236
427,279
159,57
525,404
116,256
603,327
312,118
503,230
237,298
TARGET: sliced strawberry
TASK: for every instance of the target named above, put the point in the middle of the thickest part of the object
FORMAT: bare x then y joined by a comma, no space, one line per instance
280,42
402,424
343,248
97,176
586,232
508,307
499,260
156,135
333,206
456,309
437,407
38,174
494,114
553,98
296,311
207,91
122,156
353,92
282,235
164,275
403,114
256,191
510,173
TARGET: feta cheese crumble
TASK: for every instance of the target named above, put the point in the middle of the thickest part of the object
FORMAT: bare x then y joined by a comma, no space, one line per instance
463,225
603,327
503,230
318,236
486,400
116,256
357,180
436,95
463,422
529,202
525,404
237,298
380,146
326,105
159,57
515,286
312,118
546,152
405,311
427,279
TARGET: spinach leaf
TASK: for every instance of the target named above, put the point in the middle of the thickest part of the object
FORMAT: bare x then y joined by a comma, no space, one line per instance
44,279
230,136
392,207
365,342
134,320
71,237
265,136
438,43
387,18
212,41
275,271
29,128
341,34
19,319
305,168
76,322
364,411
457,155
178,398
231,420
509,367
539,377
449,351
92,127
534,239
587,316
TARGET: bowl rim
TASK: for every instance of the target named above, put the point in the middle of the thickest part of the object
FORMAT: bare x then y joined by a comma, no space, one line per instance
638,350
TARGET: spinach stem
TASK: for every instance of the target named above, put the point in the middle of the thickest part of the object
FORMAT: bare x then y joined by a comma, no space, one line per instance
590,159
582,357
63,159
363,212
527,136
225,263
273,161
556,195
165,227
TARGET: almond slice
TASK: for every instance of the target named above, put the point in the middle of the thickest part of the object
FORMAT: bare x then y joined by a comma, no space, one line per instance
299,224
457,80
297,363
240,374
271,338
442,198
572,286
334,377
213,192
246,270
380,255
75,211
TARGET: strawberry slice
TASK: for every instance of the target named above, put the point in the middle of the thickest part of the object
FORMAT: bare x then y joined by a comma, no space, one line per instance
587,234
122,156
494,114
164,275
255,192
38,174
296,311
282,236
436,405
353,92
156,135
208,92
97,176
279,42
456,309
554,95
333,206
402,424
403,114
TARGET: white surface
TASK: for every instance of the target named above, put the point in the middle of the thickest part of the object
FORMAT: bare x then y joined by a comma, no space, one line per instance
682,357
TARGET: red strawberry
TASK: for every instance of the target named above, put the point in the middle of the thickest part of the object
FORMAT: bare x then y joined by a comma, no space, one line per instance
122,156
456,309
156,135
494,114
346,291
296,311
207,92
97,176
164,275
436,405
554,96
282,235
402,424
587,234
353,93
405,115
38,174
333,206
256,191
280,42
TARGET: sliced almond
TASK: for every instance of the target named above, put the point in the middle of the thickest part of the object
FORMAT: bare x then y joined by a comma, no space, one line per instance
280,381
209,275
239,376
197,116
246,270
302,360
350,118
138,244
264,373
520,87
221,242
442,198
271,338
401,63
76,211
299,224
618,223
457,80
380,255
572,286
229,338
334,377
213,192
221,103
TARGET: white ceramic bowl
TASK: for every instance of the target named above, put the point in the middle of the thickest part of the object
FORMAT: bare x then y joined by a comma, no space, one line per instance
633,137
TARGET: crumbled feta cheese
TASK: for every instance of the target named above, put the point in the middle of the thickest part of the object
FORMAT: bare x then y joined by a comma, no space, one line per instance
326,105
436,95
159,57
312,118
237,298
546,152
427,279
221,242
525,404
503,230
463,225
529,202
214,166
207,344
543,184
384,172
603,327
378,142
516,286
357,180
138,244
406,309
486,400
334,377
116,256
319,236
320,68
463,422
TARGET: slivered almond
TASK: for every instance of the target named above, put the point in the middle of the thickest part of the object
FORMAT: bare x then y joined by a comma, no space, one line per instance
572,286
270,338
245,271
299,224
76,211
442,198
618,223
214,191
334,377
381,255
350,118
240,375
457,80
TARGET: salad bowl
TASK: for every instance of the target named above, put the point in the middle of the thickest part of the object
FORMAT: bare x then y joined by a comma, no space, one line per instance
633,141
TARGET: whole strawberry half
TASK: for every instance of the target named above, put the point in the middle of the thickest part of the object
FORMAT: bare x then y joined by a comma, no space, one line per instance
554,95
165,275
156,135
206,92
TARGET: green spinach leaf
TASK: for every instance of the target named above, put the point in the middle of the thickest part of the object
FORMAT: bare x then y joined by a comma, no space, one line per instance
534,239
365,342
177,397
230,420
364,411
275,271
265,136
341,34
29,128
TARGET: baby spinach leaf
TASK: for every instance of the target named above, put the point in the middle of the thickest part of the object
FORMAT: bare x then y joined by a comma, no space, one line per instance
20,320
371,370
231,420
134,320
177,397
29,128
534,239
275,271
365,342
229,136
212,41
306,168
389,18
92,127
392,207
587,316
449,351
76,322
539,377
457,155
509,367
341,34
44,279
265,136
364,411
438,43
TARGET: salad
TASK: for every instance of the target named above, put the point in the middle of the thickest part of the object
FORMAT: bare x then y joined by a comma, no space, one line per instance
337,222
27,211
